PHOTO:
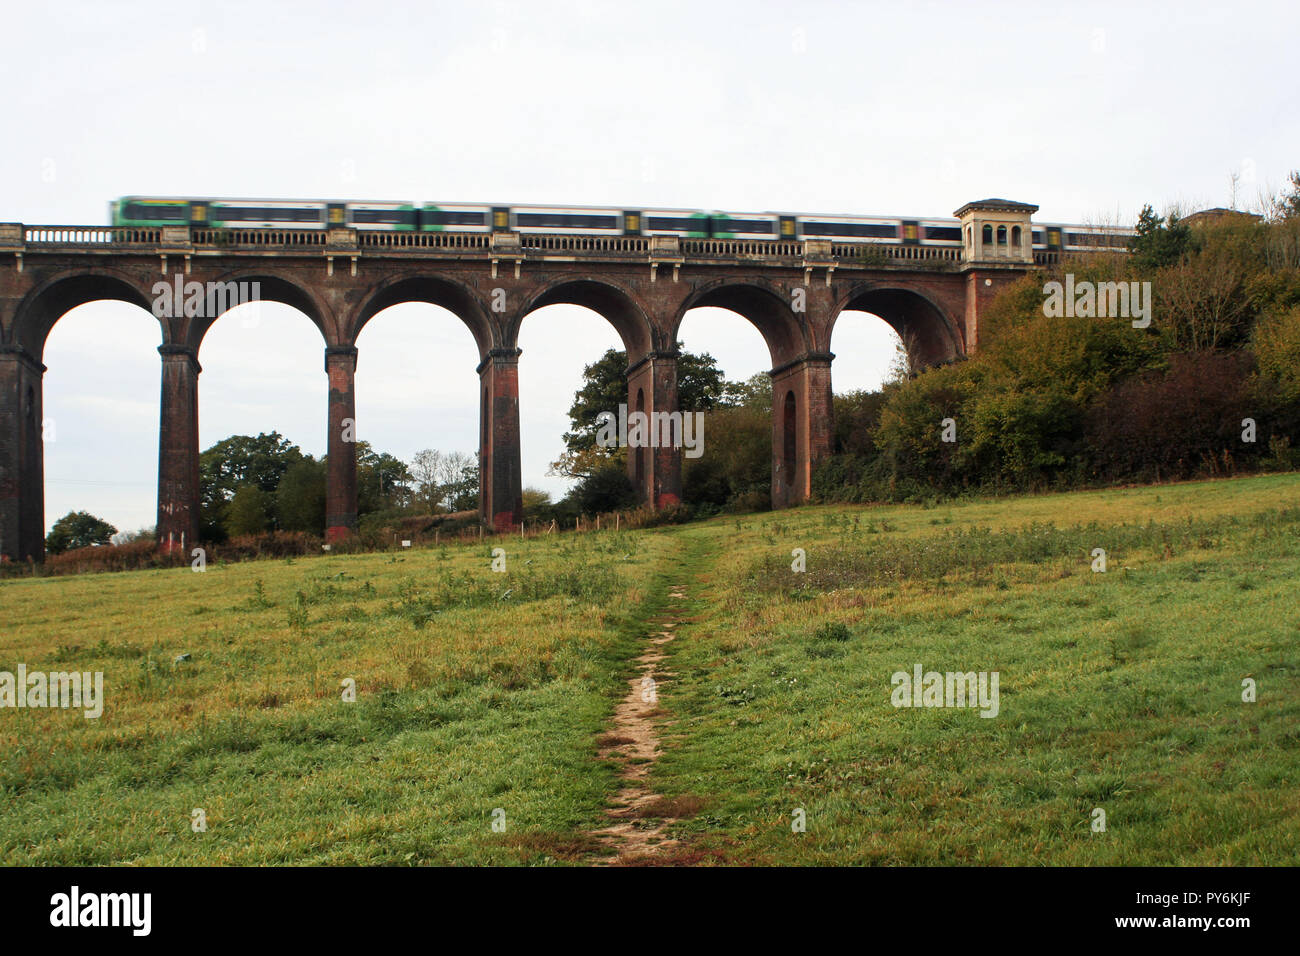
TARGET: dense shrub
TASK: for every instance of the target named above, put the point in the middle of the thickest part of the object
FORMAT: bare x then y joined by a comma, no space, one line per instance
1176,423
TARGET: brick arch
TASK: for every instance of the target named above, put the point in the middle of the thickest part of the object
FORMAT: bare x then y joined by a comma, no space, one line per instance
457,298
616,304
928,329
190,332
39,311
760,302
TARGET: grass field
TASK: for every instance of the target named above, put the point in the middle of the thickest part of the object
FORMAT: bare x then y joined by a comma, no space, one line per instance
481,696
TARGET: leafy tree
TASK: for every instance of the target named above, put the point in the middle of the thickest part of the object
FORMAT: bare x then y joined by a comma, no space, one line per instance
1286,204
462,493
700,386
754,392
1159,242
1277,348
736,467
856,415
605,489
78,529
248,511
300,497
383,480
259,460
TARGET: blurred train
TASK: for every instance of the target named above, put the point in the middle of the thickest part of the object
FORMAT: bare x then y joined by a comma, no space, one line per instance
581,221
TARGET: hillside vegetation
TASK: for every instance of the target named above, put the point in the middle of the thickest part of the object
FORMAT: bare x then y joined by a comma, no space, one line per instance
480,691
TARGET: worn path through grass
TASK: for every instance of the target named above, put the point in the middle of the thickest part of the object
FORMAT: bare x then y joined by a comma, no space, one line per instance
640,818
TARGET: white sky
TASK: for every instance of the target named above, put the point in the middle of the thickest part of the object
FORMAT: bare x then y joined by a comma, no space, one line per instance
1088,110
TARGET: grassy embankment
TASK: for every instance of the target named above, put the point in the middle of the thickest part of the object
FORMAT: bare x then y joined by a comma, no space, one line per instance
479,691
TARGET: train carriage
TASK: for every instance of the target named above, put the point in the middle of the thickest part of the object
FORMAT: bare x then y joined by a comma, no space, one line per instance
850,228
455,217
265,214
139,211
567,220
941,232
1068,238
395,216
745,225
684,223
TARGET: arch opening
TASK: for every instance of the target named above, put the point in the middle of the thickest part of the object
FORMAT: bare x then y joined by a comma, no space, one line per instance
928,335
36,318
262,376
551,373
416,389
761,307
734,469
615,305
96,416
446,295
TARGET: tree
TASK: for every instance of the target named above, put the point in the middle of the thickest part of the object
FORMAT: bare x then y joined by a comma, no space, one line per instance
462,492
426,468
737,470
606,489
445,480
700,386
300,497
247,513
535,499
78,529
1159,242
1286,204
382,480
237,460
754,392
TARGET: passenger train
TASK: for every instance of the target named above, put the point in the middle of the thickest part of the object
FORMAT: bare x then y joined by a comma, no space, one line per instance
581,221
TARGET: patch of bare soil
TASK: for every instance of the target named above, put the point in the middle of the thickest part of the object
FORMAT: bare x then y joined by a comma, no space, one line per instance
639,818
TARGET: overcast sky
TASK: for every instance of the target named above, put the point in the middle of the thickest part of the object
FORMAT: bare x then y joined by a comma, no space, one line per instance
894,108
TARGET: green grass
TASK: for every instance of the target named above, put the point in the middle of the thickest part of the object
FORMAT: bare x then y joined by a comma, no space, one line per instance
478,691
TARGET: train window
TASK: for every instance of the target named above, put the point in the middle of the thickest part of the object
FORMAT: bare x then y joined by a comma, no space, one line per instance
943,233
1095,239
264,214
147,211
743,225
449,217
868,230
676,224
551,220
390,216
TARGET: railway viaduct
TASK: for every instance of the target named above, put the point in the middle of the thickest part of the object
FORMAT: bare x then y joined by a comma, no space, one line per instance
791,291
